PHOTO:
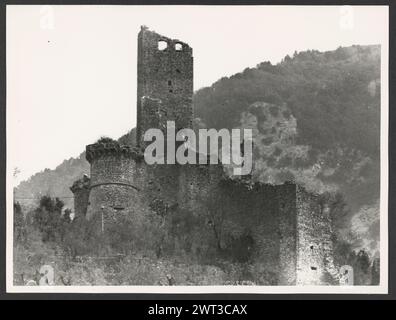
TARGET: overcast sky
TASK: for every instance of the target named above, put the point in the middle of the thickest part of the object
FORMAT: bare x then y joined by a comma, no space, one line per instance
71,70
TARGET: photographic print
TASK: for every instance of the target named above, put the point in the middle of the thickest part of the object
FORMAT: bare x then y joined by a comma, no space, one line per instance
214,149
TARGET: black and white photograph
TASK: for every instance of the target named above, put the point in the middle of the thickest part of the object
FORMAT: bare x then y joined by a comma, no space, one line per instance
197,149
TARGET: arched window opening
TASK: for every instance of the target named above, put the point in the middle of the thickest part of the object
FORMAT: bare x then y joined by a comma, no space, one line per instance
162,45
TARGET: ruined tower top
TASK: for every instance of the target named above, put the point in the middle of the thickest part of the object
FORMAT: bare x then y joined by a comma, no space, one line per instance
165,82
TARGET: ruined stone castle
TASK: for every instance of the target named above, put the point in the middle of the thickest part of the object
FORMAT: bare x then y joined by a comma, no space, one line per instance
282,228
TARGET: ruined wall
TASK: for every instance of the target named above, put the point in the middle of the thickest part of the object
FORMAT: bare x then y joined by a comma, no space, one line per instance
282,232
286,230
287,224
165,75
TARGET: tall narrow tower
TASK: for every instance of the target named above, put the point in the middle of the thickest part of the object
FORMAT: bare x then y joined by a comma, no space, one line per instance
165,83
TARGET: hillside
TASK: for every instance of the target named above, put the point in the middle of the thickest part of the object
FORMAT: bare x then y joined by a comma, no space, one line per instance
329,102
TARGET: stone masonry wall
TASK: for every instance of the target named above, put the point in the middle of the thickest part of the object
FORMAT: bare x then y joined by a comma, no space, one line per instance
250,212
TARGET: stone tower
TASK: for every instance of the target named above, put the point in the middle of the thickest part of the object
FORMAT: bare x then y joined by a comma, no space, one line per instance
165,83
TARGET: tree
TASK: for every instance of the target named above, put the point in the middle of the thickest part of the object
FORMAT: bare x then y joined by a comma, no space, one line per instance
16,172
